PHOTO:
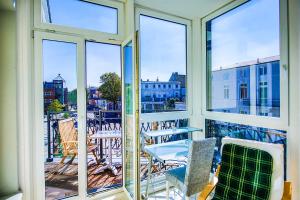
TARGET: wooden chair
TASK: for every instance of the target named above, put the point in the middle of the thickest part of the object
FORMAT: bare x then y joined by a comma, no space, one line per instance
269,154
69,141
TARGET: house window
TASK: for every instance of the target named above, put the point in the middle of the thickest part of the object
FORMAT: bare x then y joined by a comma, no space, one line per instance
263,93
164,35
230,64
226,92
263,70
80,14
243,91
153,85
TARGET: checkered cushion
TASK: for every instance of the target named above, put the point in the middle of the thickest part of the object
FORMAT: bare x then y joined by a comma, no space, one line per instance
245,174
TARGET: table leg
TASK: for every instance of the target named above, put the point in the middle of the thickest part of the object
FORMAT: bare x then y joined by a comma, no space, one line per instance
149,175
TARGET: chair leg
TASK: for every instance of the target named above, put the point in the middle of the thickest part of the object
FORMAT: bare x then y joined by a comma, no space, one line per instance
63,159
96,158
167,190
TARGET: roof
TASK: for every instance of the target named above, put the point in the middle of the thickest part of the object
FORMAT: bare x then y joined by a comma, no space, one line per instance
251,62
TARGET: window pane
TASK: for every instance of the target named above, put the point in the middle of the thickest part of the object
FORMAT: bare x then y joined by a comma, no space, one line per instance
163,63
104,146
129,119
80,14
243,57
60,119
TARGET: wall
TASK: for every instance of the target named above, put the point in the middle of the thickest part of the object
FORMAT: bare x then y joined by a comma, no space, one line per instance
8,127
294,97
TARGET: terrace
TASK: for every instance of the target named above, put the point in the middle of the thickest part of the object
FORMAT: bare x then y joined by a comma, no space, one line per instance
160,99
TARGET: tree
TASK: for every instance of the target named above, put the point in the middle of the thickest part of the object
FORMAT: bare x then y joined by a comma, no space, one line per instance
55,106
171,103
72,97
110,88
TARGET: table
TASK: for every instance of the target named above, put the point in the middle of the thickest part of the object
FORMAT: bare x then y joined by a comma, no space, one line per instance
163,152
110,135
167,132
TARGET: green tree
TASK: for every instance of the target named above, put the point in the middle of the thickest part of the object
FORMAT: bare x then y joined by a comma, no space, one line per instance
72,97
55,106
110,88
171,103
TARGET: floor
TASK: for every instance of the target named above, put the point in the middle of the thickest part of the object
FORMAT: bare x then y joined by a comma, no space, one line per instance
174,195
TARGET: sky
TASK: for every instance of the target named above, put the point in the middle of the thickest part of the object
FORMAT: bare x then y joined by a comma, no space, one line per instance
249,32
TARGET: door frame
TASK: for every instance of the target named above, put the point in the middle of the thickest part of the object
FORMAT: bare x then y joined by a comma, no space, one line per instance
136,114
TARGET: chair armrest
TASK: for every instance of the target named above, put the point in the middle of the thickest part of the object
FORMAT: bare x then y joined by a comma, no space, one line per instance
287,191
67,142
210,186
208,189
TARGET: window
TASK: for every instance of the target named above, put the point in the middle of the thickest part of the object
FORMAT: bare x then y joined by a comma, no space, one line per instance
146,86
164,59
240,57
263,93
226,92
263,70
243,91
103,79
60,114
153,85
80,14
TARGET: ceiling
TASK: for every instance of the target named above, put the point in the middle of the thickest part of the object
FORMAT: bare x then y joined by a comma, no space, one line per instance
6,5
185,8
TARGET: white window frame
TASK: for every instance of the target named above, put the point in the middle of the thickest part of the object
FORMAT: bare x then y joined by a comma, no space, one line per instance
117,4
173,115
80,37
281,122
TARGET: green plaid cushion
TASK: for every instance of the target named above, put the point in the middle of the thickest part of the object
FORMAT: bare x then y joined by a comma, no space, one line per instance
245,174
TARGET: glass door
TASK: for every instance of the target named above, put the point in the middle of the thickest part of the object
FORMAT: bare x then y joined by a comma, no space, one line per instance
130,118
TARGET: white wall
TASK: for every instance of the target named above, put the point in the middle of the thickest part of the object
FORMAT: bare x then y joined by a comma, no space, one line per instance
293,141
8,127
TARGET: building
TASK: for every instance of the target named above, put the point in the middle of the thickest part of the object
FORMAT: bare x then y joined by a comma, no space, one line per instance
155,95
234,90
55,90
96,102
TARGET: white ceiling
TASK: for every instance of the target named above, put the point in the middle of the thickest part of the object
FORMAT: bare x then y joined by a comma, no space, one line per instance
185,8
6,5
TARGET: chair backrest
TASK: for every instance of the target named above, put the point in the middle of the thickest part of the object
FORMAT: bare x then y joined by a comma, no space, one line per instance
261,160
199,165
67,130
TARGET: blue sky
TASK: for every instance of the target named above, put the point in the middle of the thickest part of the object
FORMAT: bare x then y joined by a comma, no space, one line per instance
249,32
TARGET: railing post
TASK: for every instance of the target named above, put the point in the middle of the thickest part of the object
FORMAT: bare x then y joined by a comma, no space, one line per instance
49,159
101,141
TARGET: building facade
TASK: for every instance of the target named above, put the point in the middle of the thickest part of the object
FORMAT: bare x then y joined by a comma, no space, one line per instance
164,95
247,88
55,90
